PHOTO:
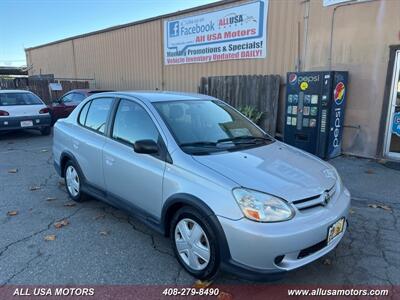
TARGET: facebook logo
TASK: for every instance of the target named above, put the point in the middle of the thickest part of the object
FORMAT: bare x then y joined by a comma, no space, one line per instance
173,28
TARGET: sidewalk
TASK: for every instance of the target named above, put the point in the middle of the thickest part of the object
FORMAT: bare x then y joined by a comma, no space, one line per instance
369,180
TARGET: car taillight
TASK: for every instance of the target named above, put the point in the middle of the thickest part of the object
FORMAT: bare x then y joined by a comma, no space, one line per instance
44,110
4,113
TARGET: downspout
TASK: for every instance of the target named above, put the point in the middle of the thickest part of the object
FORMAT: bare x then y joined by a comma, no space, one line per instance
298,64
162,53
305,39
73,58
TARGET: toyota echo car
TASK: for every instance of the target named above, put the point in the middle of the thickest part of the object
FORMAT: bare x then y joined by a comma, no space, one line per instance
227,194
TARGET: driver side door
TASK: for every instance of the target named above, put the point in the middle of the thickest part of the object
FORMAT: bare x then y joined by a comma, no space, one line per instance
133,179
60,109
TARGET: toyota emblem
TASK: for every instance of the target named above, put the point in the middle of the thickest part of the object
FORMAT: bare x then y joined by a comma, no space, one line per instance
327,198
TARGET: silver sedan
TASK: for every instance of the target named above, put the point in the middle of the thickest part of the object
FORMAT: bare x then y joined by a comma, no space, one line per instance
192,167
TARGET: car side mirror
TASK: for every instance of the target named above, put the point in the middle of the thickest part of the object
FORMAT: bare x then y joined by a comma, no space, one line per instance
146,146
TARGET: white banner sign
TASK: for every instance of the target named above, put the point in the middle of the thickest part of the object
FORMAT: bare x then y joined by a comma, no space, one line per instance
234,33
334,2
55,86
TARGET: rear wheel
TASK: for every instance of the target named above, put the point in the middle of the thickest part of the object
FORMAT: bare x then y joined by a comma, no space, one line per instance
45,130
195,243
72,179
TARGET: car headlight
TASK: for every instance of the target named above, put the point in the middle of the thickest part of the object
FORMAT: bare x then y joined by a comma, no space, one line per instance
262,207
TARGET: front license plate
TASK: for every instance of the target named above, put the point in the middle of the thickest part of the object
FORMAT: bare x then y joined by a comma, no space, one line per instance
26,123
335,229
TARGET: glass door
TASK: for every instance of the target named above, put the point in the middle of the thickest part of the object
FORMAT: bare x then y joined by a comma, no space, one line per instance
392,145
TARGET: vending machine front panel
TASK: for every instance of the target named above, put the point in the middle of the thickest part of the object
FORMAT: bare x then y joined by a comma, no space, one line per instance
315,111
303,110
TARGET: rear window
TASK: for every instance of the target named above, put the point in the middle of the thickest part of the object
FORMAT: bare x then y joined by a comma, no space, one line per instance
9,99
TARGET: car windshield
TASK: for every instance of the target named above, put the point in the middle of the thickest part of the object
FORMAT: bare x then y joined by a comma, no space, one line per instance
9,99
205,126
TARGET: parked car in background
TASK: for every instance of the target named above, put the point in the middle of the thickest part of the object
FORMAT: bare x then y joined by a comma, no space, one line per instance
20,109
62,107
194,168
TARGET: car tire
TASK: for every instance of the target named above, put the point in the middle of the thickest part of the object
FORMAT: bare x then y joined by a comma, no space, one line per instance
73,182
45,130
194,259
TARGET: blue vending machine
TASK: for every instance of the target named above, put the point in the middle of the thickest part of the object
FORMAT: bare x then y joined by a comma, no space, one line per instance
315,106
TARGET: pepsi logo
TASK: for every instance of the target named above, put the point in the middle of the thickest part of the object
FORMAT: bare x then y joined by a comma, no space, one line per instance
292,78
338,93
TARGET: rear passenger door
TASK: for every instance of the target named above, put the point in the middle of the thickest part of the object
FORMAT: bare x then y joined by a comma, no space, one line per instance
132,178
88,142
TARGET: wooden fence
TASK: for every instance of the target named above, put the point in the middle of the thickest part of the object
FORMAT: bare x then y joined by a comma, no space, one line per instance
258,91
40,86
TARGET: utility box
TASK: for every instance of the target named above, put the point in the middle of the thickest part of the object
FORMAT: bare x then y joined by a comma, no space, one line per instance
315,107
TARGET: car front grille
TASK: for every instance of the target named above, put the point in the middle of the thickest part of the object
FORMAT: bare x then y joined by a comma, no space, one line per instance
315,201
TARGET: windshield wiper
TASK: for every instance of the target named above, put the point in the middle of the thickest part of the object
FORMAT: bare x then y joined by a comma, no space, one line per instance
245,139
198,144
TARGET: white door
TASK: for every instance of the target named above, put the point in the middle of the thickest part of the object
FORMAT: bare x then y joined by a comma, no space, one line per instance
392,141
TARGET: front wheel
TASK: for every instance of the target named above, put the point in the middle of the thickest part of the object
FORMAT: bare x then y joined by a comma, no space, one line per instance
73,182
195,243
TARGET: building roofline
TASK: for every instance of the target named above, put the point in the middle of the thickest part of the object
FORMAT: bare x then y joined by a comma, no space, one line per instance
13,70
112,28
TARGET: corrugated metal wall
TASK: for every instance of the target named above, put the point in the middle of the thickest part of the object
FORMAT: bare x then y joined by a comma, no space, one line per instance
57,59
127,58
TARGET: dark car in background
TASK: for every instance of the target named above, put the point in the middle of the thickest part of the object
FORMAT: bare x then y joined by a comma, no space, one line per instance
62,107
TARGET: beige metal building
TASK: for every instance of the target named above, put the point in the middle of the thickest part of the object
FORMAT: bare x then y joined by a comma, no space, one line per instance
302,35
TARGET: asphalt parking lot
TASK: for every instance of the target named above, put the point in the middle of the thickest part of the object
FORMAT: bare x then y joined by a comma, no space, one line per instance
99,244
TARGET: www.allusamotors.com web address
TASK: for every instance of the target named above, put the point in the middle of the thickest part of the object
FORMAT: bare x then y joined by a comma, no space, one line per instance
338,292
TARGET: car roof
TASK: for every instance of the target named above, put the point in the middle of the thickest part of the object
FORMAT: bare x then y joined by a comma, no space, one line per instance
160,96
14,91
89,90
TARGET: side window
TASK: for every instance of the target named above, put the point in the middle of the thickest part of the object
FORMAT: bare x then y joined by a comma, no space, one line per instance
133,123
78,97
83,113
96,118
67,98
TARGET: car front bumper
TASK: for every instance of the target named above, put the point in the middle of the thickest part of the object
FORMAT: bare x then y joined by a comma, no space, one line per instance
14,123
256,249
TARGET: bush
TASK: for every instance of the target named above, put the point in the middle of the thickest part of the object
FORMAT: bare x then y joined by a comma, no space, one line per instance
252,113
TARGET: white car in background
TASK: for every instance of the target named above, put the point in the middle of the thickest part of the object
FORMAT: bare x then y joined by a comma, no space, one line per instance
20,109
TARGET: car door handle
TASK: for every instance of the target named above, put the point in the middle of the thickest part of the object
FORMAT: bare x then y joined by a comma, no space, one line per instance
110,160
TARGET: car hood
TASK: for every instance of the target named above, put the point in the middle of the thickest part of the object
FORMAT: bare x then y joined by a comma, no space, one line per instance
277,169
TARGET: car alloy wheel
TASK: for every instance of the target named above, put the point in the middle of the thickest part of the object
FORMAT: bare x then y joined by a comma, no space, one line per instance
192,244
72,180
